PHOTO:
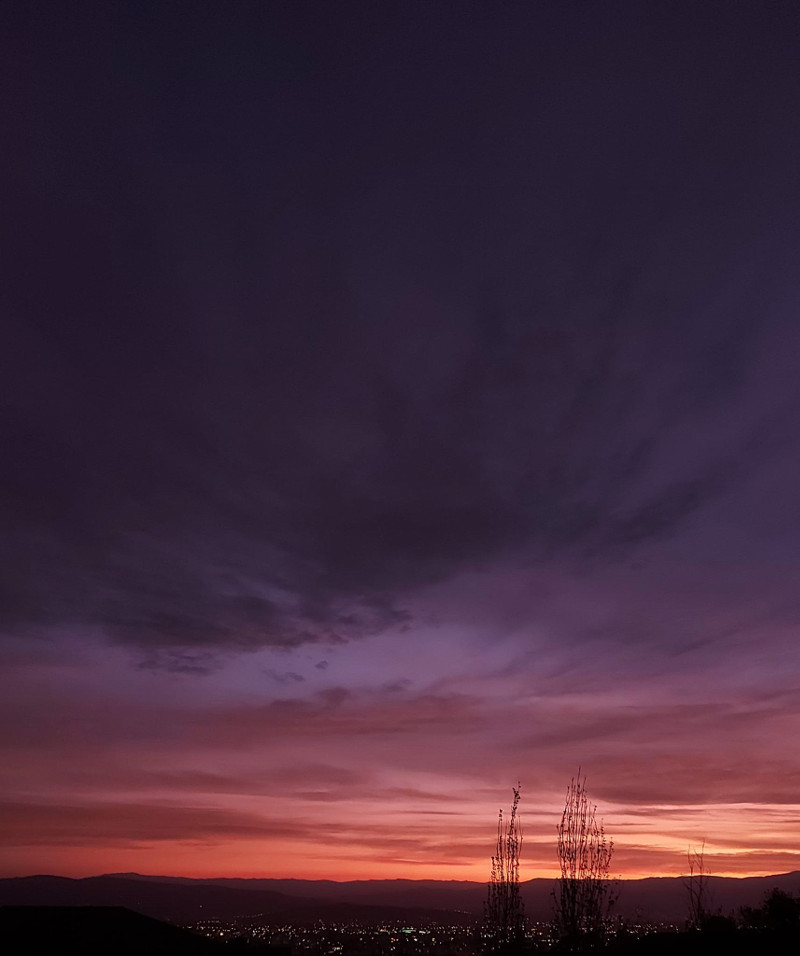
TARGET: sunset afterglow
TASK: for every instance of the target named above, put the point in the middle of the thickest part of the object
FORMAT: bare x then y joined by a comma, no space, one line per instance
400,402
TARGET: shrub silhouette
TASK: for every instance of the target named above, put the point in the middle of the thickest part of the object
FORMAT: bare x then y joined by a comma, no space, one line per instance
697,887
779,913
504,914
584,893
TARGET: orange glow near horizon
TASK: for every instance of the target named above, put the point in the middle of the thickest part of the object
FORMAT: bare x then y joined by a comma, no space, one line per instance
655,847
191,779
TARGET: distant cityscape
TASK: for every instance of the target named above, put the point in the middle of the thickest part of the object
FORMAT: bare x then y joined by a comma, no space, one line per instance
363,939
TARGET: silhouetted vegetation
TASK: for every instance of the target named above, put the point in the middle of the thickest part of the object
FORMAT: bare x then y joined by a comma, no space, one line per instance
584,893
697,887
779,913
504,915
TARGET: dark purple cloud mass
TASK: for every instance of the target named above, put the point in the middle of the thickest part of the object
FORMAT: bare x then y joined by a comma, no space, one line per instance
407,392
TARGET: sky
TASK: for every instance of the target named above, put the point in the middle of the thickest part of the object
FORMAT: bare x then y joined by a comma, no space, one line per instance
399,401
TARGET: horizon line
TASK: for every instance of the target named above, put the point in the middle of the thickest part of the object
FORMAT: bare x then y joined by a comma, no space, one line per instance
382,879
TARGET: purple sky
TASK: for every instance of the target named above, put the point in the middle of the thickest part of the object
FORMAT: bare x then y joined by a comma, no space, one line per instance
398,401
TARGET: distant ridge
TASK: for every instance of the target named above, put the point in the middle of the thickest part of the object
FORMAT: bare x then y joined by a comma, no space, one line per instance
180,900
657,898
185,900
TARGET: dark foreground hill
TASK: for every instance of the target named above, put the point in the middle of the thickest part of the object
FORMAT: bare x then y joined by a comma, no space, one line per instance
96,931
187,901
116,931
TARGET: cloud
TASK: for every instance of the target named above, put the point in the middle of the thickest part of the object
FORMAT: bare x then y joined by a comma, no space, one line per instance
255,430
116,824
286,677
123,824
177,537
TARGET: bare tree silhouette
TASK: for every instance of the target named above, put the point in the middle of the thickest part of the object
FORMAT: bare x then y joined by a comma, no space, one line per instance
504,911
697,887
584,894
